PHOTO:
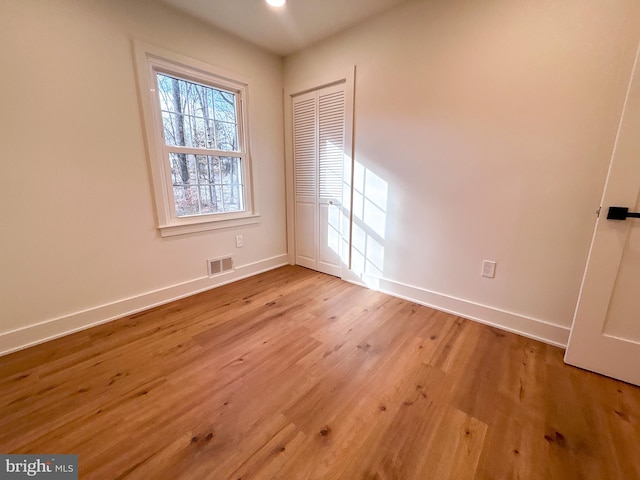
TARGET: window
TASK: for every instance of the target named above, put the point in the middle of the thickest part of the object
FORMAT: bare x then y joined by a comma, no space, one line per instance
195,118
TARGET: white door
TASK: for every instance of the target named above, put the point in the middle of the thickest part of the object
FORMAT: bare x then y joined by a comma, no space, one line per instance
319,161
605,336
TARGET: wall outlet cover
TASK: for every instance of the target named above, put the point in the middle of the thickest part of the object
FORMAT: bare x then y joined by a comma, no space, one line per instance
488,269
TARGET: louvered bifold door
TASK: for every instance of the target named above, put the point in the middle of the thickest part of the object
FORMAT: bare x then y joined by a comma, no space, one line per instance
331,104
305,153
318,150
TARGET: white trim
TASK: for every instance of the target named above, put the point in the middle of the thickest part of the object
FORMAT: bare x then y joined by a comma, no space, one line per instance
529,327
151,59
202,225
58,327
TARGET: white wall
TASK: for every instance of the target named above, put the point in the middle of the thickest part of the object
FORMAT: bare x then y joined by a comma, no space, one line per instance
492,124
78,240
482,118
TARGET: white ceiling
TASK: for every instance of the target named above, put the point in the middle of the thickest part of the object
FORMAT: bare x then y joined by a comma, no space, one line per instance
283,30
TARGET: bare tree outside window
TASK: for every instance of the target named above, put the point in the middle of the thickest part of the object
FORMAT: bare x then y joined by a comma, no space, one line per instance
204,118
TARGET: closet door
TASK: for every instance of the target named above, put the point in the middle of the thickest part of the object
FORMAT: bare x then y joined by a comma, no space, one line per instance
318,137
330,177
305,154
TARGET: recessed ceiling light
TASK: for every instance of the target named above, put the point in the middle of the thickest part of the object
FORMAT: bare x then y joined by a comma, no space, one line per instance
276,3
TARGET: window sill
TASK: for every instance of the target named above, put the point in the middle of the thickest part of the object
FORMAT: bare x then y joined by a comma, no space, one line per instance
205,225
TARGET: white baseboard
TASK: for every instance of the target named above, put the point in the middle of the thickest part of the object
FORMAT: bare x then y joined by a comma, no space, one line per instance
57,327
512,322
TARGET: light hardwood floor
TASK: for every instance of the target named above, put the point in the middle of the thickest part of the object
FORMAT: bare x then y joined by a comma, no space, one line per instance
295,375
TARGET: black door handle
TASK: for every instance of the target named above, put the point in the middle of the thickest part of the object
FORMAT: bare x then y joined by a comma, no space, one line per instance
621,213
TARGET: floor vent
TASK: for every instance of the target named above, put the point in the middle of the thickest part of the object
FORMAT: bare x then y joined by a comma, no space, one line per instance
219,265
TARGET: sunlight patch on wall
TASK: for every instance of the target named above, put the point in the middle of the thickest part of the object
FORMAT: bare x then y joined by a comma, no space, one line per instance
370,196
333,232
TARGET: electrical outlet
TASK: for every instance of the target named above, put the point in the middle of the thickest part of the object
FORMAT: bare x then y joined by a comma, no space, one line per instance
239,241
488,269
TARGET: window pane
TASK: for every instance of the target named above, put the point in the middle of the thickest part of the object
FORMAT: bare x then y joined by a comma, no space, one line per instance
227,136
225,106
205,184
237,171
195,115
232,198
169,128
166,94
186,199
208,199
182,168
211,134
199,134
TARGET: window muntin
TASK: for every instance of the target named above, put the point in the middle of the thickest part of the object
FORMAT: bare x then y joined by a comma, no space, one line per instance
201,117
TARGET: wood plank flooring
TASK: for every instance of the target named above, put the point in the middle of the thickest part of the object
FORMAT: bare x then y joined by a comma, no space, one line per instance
295,375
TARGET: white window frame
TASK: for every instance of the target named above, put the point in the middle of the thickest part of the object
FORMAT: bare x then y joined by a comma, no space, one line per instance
151,60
